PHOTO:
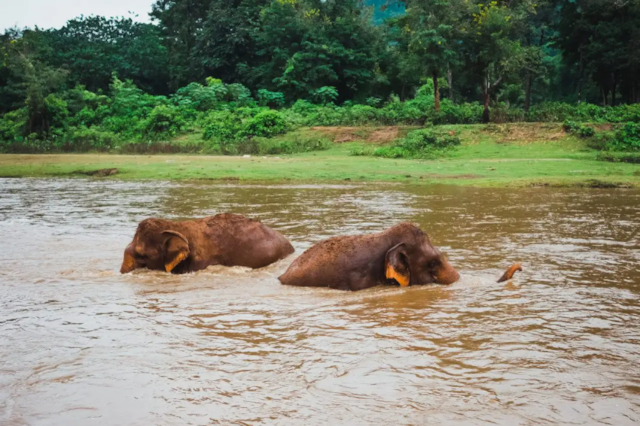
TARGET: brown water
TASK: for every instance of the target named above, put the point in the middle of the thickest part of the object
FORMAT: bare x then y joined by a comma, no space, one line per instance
82,345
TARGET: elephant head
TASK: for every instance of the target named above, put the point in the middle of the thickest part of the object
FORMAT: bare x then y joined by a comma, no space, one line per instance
155,248
402,253
415,261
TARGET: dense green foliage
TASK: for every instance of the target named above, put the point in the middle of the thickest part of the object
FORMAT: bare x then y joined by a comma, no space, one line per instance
240,72
424,143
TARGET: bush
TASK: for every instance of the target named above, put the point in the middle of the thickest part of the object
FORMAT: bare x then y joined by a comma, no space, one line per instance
570,126
240,95
551,112
12,127
325,95
626,139
615,157
503,113
197,97
424,143
292,145
270,99
163,122
586,131
223,126
266,124
88,139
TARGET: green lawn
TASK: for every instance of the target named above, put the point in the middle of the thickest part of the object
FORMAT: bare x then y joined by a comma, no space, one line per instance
508,155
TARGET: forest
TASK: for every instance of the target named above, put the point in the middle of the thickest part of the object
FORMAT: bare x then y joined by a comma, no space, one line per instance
236,73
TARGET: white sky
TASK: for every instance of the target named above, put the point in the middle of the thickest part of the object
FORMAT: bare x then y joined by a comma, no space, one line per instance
55,13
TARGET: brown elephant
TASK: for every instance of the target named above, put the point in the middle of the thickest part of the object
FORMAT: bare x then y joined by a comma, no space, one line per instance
402,253
225,239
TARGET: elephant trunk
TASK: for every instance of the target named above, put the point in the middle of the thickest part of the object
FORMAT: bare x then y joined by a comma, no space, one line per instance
129,262
447,274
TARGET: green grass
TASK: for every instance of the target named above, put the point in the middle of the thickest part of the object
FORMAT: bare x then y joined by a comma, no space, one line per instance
511,155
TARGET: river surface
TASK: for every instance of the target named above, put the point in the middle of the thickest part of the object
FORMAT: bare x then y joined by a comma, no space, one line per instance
81,344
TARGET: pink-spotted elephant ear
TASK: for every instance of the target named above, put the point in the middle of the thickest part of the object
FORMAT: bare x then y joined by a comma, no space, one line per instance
397,265
176,249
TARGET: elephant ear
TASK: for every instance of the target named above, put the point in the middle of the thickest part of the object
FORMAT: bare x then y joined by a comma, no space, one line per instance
397,265
176,249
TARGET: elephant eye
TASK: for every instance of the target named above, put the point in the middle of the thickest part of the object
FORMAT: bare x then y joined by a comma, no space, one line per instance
433,264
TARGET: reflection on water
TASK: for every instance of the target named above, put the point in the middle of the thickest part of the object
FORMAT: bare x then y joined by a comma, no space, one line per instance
81,344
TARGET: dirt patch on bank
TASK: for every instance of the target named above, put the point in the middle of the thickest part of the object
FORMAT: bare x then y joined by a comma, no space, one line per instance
525,133
374,135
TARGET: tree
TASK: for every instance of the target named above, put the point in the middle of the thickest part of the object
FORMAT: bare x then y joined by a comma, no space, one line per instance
429,26
35,83
93,48
601,39
180,23
304,45
490,49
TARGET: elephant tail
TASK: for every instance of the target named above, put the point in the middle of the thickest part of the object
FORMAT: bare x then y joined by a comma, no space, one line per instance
510,272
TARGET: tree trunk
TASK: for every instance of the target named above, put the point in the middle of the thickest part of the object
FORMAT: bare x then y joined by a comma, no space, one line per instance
402,93
527,99
450,80
581,76
613,92
436,91
485,96
604,96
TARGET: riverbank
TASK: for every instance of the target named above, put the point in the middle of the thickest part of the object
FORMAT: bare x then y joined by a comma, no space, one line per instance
496,155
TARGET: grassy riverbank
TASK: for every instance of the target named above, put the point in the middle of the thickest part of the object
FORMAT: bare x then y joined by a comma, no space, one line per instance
496,155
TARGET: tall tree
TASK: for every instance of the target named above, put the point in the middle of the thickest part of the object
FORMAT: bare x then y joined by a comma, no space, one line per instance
34,82
601,39
93,48
305,45
490,48
430,28
181,22
226,48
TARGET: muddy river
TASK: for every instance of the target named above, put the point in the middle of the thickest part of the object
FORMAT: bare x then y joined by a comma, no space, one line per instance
81,344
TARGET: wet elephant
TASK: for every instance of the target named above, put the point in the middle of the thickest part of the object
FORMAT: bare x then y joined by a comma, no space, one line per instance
402,254
225,239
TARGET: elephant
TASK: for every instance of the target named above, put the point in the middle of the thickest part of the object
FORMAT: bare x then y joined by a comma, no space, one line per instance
225,239
402,253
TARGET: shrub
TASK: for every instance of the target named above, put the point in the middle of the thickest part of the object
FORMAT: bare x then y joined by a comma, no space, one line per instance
196,96
267,124
464,113
360,151
223,126
358,115
615,157
424,143
163,122
570,126
270,99
87,139
392,152
551,112
586,131
504,113
292,145
12,127
626,139
325,95
240,95
401,112
57,112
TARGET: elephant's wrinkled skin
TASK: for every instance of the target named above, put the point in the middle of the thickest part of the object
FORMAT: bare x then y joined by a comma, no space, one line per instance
402,253
225,239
